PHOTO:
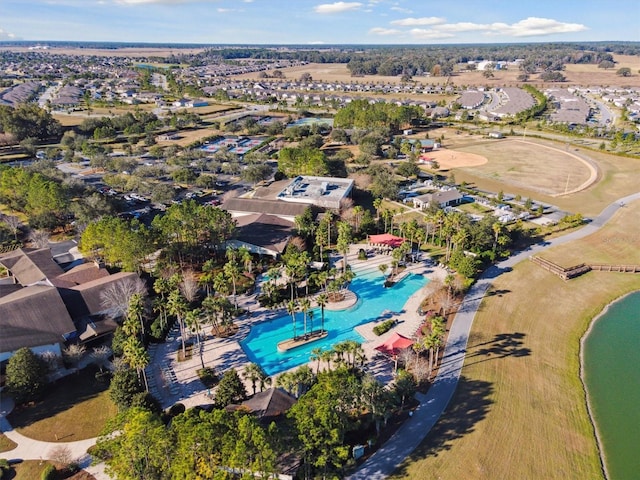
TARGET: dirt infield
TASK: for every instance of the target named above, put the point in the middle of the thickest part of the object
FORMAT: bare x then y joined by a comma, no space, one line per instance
448,159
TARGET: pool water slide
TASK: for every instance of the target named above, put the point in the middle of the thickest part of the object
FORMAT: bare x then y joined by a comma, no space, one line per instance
432,404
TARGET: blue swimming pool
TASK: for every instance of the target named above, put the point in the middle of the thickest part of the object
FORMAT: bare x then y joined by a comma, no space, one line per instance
261,343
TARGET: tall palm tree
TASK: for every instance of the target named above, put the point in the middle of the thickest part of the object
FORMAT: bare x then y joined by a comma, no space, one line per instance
135,312
252,372
177,306
232,271
192,319
322,301
327,356
316,356
137,357
292,308
305,306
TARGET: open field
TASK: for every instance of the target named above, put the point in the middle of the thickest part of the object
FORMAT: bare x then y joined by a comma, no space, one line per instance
520,410
543,168
187,137
575,75
617,176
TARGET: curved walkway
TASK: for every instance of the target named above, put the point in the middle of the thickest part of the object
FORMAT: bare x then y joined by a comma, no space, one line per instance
389,457
30,449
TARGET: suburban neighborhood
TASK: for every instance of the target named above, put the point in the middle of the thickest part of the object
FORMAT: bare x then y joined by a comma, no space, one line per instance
305,262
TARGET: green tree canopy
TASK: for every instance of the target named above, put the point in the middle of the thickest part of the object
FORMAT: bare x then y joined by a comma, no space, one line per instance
231,389
118,242
294,161
27,120
26,375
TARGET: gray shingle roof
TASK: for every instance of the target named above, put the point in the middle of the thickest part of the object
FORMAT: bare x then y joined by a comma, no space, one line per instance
33,316
272,207
29,266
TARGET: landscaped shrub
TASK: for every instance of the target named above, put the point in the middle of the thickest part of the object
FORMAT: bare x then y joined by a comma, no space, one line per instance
208,377
49,472
384,327
5,468
177,409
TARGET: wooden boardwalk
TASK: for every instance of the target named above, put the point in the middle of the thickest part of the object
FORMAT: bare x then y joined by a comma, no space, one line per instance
577,270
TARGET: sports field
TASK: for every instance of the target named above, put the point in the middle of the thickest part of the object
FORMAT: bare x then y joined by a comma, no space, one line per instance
520,410
544,168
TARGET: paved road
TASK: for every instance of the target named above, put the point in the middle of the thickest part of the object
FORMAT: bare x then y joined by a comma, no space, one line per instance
388,458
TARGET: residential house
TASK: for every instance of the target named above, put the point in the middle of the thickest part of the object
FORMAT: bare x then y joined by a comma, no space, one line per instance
42,307
444,199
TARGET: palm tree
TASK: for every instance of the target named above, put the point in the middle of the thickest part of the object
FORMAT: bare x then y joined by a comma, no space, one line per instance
292,307
327,356
192,319
208,274
137,357
135,312
383,269
316,356
177,305
322,300
253,372
377,203
232,271
305,306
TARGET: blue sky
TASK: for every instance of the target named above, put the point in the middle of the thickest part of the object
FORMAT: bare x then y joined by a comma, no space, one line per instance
320,21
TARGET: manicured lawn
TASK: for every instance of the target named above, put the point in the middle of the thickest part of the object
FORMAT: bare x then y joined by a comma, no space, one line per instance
6,444
520,411
74,408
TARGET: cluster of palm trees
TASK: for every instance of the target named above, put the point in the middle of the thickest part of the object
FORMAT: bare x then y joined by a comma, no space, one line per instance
452,230
431,341
347,353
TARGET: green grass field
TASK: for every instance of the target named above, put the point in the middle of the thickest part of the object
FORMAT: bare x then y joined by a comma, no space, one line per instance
74,408
520,410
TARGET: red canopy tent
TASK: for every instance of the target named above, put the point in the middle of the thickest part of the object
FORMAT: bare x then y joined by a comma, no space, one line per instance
386,239
393,346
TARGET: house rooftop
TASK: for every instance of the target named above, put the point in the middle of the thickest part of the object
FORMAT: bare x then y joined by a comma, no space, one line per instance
271,207
43,318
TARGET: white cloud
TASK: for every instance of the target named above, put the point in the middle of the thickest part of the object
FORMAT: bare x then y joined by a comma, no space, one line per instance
424,34
401,10
4,35
414,22
528,27
535,26
384,31
226,10
337,7
462,27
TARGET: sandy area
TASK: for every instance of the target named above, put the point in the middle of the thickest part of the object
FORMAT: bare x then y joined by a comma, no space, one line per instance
448,159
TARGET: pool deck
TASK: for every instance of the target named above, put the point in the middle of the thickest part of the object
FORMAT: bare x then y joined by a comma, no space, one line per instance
171,381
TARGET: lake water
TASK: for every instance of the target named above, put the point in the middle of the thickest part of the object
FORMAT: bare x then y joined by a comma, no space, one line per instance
612,378
373,300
